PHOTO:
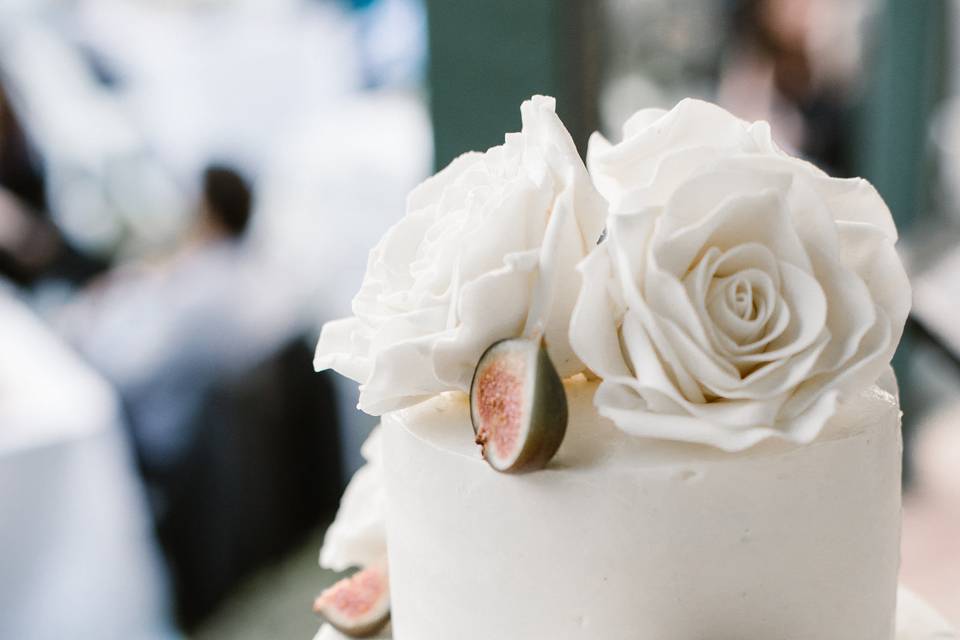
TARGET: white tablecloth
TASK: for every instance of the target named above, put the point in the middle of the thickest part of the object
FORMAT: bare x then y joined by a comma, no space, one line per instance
77,557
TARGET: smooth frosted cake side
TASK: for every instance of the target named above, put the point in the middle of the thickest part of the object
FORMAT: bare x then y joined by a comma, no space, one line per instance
623,537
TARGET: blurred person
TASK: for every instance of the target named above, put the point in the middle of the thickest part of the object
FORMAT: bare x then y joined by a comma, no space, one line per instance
163,330
31,246
203,346
27,244
20,170
796,64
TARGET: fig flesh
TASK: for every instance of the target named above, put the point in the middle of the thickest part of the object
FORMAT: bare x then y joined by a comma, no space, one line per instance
358,605
517,406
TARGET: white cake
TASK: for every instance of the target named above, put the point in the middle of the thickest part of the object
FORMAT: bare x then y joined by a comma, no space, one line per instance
621,538
731,464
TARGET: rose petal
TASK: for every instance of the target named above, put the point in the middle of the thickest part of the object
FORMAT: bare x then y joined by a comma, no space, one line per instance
666,294
641,315
875,260
758,301
672,169
638,228
702,367
747,356
697,282
555,290
718,422
633,415
873,356
398,246
343,348
508,290
856,200
805,298
593,324
749,255
720,380
401,376
734,208
653,359
698,129
430,190
850,313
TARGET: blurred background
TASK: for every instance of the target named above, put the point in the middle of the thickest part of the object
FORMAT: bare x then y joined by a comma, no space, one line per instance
189,189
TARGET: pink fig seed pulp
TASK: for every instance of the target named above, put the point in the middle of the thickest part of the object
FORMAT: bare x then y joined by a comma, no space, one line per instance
354,596
500,395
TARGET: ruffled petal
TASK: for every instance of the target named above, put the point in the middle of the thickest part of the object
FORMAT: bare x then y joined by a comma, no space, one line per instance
595,318
344,348
357,537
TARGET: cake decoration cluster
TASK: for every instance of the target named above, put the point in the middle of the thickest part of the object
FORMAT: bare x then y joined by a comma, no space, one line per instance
736,294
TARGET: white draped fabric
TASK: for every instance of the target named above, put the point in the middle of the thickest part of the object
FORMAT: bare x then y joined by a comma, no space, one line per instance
77,558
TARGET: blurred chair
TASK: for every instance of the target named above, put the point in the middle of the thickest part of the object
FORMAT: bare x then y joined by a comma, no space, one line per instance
261,470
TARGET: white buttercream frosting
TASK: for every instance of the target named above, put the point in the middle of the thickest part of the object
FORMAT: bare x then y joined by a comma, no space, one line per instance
623,537
739,292
487,247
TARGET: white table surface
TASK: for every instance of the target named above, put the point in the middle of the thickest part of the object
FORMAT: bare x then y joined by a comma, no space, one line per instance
77,557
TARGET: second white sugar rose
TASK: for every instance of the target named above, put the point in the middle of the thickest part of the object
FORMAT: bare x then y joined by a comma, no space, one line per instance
740,292
461,269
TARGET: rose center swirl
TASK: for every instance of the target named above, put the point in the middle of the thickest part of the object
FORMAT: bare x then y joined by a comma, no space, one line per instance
739,305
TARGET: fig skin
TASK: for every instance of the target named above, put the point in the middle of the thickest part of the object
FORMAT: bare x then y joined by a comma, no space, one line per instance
352,627
365,631
548,410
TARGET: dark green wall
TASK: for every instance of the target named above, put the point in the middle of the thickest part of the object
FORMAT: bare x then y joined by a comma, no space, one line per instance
487,56
907,61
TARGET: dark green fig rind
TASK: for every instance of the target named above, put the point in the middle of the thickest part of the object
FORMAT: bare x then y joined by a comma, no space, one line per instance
548,418
365,631
548,415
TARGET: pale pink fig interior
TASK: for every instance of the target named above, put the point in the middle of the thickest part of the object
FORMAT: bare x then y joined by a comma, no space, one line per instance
502,397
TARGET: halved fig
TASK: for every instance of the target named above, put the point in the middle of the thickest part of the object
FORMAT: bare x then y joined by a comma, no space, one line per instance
358,605
518,406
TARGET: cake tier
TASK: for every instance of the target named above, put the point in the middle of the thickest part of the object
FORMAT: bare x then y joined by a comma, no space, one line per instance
624,537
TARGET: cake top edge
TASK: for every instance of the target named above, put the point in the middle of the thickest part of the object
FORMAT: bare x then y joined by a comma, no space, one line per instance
443,424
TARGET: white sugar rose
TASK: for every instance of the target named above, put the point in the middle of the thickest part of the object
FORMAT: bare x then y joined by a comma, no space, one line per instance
740,292
480,242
